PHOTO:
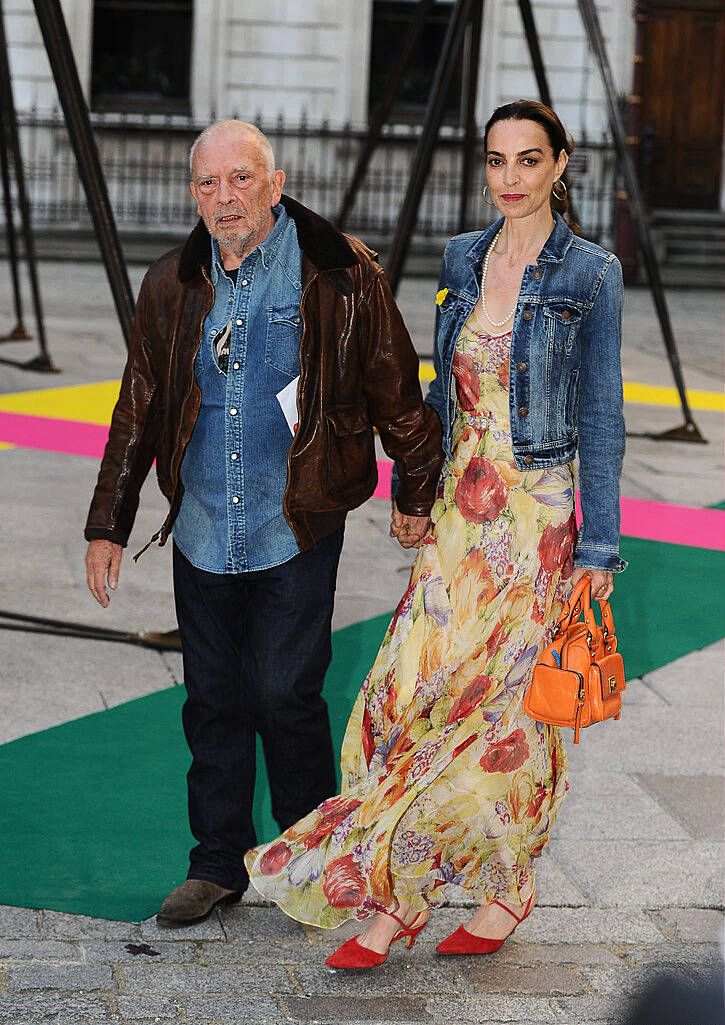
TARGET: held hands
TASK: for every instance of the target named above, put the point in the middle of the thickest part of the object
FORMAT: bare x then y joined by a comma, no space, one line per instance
409,530
103,562
602,582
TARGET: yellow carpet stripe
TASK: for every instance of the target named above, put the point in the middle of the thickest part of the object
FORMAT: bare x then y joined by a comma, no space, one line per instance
93,403
646,394
87,403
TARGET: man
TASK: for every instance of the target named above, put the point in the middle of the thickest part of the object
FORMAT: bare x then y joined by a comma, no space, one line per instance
263,353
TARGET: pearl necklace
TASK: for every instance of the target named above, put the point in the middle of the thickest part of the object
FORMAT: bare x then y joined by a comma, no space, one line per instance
494,323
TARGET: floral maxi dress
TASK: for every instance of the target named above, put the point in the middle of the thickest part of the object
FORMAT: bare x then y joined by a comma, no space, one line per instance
444,778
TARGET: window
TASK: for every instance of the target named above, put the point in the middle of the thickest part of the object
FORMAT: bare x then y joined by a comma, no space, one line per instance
141,55
392,23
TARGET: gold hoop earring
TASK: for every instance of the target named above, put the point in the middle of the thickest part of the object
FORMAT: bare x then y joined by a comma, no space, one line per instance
560,196
488,202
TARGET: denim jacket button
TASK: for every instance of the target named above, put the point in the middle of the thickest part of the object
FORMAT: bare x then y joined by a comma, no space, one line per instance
528,459
565,314
523,410
522,368
538,274
528,314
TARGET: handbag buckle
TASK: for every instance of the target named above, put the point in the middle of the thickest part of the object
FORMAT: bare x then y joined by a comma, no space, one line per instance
612,685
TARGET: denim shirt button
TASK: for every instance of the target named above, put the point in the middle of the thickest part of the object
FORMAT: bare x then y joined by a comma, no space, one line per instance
523,410
538,274
522,368
528,459
565,314
528,314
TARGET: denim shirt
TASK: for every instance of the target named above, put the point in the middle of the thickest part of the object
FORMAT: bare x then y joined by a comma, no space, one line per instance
565,390
234,470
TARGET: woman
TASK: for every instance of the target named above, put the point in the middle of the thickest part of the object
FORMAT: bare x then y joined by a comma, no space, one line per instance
445,779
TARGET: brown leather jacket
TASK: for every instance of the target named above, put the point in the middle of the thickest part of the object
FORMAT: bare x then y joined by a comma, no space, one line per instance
358,370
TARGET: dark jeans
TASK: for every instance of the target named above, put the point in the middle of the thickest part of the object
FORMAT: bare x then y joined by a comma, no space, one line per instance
256,648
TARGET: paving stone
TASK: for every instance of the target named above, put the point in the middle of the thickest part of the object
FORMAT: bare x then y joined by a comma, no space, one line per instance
687,873
587,925
589,1011
168,979
233,1010
334,1010
701,958
39,950
694,801
248,953
514,952
695,679
489,1009
70,977
62,926
140,952
629,980
209,929
552,980
155,1008
18,923
698,925
400,974
622,807
260,924
53,1007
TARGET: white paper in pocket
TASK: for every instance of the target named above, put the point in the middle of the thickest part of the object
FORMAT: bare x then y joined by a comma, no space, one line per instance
287,399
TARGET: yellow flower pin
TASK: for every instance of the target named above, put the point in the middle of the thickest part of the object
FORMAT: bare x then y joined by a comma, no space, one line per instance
440,296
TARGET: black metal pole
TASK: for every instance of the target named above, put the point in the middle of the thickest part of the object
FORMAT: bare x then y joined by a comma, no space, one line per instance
43,361
473,50
537,61
18,333
57,45
381,113
429,134
689,430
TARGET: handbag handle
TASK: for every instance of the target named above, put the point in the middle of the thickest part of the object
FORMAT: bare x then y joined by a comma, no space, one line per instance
580,601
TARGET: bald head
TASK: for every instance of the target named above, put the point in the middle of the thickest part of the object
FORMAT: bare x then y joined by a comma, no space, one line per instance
247,134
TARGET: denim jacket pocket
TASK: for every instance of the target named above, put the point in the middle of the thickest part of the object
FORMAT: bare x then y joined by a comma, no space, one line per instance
562,322
284,332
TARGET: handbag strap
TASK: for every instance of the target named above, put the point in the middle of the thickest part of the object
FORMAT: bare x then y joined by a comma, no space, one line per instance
580,602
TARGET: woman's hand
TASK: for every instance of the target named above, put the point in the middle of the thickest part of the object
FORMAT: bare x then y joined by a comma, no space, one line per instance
409,530
602,582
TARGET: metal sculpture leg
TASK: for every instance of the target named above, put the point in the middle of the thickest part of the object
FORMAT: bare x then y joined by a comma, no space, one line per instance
429,134
689,430
18,333
57,45
43,361
470,138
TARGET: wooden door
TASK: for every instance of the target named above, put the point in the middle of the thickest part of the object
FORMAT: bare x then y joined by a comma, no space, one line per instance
683,82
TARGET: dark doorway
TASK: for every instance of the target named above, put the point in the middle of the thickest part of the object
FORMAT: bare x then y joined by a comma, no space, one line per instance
682,103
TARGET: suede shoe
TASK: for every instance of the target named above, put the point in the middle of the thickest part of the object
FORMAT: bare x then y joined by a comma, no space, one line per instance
192,901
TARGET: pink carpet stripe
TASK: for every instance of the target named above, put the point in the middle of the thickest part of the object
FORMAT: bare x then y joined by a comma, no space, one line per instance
50,435
653,521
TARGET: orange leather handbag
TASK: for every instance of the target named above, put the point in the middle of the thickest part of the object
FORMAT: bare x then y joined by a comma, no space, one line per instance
580,676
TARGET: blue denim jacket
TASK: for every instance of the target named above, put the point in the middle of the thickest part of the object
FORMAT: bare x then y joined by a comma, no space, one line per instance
234,470
565,387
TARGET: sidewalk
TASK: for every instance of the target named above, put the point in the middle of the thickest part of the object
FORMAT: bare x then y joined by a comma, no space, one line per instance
631,883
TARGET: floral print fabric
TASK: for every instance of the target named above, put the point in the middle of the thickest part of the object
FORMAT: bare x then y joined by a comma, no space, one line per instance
444,778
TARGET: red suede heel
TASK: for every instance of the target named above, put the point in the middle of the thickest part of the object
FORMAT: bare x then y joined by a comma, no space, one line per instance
353,955
464,942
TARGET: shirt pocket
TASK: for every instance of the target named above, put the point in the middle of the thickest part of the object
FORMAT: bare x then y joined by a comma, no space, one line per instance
561,320
284,332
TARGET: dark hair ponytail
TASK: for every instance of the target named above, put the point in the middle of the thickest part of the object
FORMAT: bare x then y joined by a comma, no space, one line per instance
532,110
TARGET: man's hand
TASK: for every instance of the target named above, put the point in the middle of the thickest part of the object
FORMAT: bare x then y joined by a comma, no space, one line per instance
409,530
602,583
103,561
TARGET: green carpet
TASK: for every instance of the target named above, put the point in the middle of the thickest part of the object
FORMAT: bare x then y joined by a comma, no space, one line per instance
94,813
